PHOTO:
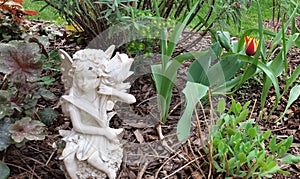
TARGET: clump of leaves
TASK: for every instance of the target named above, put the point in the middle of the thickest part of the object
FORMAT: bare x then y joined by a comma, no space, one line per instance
27,129
21,61
9,28
20,90
239,147
11,19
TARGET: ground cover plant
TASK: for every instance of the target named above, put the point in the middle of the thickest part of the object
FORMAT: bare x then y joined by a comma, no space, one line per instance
252,131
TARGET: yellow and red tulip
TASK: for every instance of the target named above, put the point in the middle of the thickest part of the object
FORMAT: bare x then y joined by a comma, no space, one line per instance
251,45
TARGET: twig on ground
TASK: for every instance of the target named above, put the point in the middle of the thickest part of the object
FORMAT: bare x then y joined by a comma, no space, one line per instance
252,109
181,168
50,158
175,107
192,151
159,169
142,171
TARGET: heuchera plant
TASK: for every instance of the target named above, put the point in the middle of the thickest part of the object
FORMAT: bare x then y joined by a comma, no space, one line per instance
21,63
15,7
11,19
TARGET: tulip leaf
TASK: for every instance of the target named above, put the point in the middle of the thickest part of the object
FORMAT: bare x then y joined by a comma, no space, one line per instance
277,67
294,95
267,71
292,79
224,39
165,78
164,87
178,31
193,93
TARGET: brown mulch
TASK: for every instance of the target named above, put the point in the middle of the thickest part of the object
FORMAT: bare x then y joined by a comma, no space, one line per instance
39,159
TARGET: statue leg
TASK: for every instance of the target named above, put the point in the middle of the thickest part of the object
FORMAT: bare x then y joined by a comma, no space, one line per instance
97,162
71,166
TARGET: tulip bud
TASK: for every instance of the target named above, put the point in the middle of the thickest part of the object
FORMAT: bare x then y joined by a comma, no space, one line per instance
251,45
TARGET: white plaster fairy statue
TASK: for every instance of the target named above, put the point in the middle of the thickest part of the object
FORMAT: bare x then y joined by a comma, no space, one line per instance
93,82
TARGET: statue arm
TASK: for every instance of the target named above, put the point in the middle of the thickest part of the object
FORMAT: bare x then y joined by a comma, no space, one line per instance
80,127
120,95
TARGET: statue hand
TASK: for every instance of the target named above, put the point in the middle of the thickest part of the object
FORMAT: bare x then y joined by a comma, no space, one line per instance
106,90
112,134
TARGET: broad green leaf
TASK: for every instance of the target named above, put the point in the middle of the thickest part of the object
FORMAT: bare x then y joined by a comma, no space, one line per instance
267,71
252,154
221,148
292,79
242,157
243,115
267,134
252,132
4,170
224,39
5,139
287,144
193,93
221,105
164,87
290,159
261,156
272,145
47,115
5,104
294,95
198,70
46,94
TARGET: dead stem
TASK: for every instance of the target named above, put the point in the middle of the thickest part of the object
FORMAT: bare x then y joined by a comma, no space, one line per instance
198,123
252,109
142,171
159,131
170,158
194,156
210,139
181,168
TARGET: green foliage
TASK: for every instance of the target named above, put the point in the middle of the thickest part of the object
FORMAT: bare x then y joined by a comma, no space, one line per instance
27,129
239,146
47,115
165,73
10,29
4,170
271,64
21,63
193,93
45,13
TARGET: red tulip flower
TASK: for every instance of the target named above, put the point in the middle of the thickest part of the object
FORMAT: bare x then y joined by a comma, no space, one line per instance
251,45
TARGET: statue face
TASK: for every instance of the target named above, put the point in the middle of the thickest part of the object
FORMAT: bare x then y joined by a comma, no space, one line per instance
86,80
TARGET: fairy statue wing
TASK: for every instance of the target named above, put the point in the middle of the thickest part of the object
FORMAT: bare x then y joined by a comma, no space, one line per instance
66,65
